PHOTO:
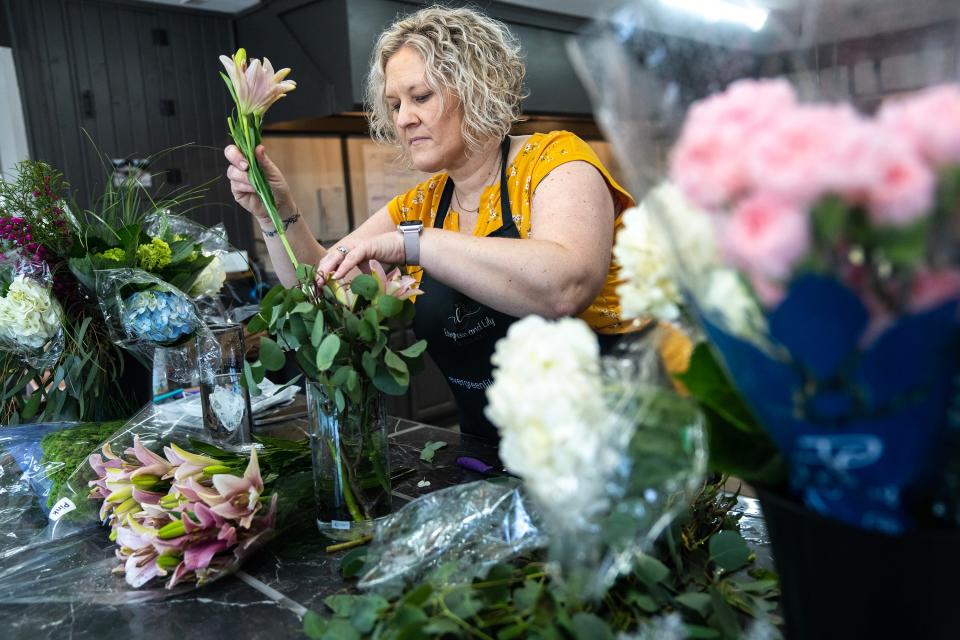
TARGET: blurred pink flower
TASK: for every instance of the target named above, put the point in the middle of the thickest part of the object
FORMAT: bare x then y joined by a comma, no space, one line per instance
929,120
800,157
766,236
930,289
901,186
709,162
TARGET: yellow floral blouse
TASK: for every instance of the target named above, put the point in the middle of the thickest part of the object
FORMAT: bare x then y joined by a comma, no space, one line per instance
542,153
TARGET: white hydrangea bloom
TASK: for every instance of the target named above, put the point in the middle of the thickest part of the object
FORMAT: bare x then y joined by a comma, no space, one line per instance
29,315
210,280
646,257
547,401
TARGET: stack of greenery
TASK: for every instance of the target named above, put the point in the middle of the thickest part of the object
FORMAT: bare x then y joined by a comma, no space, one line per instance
702,572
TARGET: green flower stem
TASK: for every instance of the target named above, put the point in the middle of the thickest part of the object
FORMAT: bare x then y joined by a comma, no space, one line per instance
347,493
249,145
367,435
362,540
460,622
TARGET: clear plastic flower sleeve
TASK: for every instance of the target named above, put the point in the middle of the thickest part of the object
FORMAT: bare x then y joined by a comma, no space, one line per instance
31,318
830,174
66,553
143,313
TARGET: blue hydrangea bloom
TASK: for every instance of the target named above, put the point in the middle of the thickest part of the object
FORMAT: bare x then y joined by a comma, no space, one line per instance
160,317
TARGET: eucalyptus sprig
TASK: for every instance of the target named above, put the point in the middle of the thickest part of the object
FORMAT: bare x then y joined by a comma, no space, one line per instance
701,571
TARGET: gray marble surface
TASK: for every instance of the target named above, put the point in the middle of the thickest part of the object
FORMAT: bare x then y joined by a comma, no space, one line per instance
276,586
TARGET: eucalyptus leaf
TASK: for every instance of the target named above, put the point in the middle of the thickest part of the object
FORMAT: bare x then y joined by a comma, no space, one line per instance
352,562
316,333
699,602
651,570
340,605
729,551
430,449
415,349
587,626
394,362
314,625
271,355
339,629
365,286
389,306
327,351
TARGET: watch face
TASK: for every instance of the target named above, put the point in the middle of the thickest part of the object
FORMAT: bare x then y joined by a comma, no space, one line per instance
411,225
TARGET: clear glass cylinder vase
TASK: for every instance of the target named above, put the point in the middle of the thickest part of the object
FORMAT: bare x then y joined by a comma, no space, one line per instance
224,401
351,461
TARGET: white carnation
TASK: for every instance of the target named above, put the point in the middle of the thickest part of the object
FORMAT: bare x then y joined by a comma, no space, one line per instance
210,280
29,315
547,401
647,258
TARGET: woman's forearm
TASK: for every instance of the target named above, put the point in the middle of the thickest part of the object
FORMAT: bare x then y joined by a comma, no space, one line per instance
304,245
517,277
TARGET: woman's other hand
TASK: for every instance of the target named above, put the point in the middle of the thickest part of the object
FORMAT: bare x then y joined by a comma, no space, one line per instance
243,191
341,259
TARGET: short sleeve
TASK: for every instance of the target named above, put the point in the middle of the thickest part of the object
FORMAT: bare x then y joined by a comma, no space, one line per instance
560,147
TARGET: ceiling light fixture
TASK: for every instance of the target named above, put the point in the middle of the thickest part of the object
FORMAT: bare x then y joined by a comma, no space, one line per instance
723,11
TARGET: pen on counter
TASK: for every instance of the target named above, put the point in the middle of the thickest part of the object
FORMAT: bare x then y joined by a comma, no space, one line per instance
176,393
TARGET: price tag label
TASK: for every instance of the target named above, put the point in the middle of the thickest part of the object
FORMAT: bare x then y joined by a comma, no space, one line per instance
62,508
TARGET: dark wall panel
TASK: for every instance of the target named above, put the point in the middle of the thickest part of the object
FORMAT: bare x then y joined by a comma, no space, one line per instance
139,79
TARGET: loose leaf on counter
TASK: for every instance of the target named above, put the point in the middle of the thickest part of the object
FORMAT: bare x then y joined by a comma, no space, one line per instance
430,449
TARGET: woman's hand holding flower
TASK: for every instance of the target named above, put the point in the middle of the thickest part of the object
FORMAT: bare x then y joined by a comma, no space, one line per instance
246,195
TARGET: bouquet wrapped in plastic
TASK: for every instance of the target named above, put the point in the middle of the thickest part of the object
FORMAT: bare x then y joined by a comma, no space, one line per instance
606,448
829,279
31,318
180,512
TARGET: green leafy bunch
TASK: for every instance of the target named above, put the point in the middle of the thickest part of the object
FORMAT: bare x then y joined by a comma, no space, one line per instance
340,335
173,258
701,569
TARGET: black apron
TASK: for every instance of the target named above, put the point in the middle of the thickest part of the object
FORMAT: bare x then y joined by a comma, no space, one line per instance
460,332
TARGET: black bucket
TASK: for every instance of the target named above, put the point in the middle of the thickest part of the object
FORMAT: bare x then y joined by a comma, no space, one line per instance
838,581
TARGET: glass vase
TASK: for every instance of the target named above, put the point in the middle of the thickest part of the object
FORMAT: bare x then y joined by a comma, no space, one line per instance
224,401
351,462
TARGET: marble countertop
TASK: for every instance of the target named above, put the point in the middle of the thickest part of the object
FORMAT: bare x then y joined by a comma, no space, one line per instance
269,595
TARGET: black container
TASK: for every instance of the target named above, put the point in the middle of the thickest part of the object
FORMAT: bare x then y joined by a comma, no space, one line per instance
838,581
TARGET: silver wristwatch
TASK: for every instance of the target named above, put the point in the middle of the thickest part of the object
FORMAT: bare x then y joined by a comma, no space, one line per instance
410,230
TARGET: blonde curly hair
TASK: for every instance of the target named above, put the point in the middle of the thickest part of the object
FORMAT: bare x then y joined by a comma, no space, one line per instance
474,57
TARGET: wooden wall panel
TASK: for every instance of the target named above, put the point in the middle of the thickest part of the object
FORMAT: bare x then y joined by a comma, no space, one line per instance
139,79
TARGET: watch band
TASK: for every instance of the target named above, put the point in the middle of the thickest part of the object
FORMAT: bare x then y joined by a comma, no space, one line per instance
411,242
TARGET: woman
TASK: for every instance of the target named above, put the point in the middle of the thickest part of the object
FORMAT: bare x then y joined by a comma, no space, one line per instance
508,225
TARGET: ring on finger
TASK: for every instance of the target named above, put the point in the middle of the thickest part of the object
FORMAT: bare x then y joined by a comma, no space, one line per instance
343,250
